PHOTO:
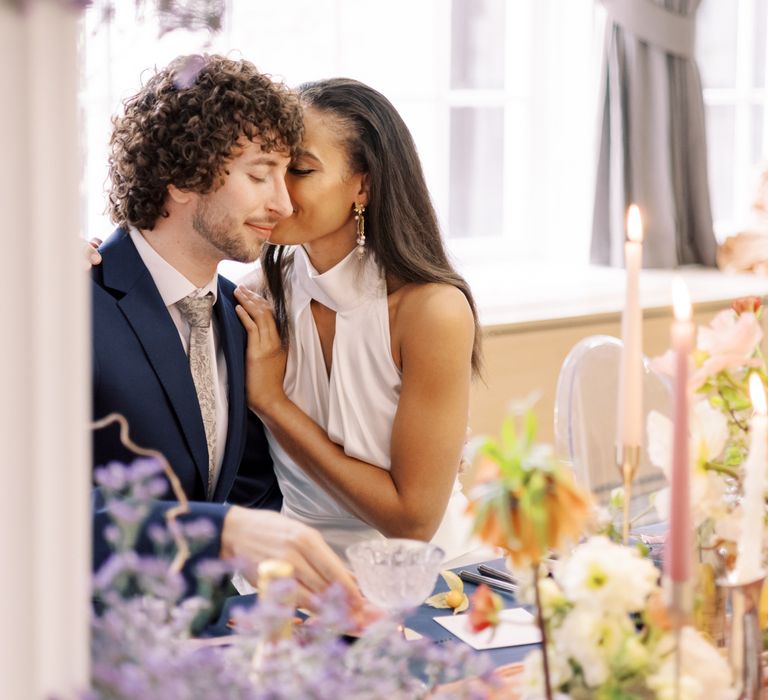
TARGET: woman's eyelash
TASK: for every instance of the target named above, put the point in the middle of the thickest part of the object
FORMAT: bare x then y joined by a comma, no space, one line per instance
300,171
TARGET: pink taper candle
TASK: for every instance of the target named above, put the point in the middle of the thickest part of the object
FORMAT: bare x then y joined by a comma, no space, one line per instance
678,553
630,402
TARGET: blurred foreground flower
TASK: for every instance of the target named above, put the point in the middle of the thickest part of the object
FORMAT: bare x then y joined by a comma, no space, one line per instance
485,610
522,498
525,502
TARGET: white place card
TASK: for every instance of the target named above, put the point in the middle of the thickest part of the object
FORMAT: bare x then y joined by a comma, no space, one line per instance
517,628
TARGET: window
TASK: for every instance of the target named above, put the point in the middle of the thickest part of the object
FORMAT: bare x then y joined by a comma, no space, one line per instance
733,57
499,95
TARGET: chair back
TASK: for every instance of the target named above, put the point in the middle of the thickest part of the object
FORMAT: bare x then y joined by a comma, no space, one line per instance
586,421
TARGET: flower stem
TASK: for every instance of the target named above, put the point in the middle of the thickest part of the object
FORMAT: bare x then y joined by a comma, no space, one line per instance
721,468
171,515
543,630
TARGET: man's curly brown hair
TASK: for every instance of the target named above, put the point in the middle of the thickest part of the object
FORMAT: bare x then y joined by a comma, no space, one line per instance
183,126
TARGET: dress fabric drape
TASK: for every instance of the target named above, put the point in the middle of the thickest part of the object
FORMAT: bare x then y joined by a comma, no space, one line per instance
652,143
356,404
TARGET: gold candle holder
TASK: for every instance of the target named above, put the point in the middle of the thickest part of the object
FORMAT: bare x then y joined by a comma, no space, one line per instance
628,461
271,570
745,639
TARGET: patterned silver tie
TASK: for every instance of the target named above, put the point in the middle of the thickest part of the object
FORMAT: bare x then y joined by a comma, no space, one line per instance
196,311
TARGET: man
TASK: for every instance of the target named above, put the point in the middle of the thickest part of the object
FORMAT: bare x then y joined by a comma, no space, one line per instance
197,170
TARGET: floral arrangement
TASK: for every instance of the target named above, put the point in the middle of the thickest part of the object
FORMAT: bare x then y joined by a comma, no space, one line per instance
727,352
525,502
609,636
605,631
143,628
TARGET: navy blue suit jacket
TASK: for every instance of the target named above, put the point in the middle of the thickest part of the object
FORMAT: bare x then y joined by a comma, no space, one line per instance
140,369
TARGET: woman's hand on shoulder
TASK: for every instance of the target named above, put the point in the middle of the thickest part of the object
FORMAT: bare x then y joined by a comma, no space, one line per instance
91,252
265,355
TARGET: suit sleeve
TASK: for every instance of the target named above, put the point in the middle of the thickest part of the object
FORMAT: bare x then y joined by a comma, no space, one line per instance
213,512
256,484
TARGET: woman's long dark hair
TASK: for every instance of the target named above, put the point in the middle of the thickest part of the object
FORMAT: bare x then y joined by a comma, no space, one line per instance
400,223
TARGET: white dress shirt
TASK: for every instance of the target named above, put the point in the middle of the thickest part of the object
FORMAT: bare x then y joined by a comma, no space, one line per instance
173,287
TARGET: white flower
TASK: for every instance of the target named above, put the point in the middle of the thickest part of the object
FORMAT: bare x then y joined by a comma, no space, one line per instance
705,675
560,673
708,434
607,576
551,596
633,656
550,592
592,637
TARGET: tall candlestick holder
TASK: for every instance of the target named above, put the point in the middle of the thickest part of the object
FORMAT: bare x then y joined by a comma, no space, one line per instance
679,598
745,640
628,461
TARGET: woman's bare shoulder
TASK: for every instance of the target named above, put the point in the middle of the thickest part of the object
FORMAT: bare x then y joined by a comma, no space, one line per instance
434,307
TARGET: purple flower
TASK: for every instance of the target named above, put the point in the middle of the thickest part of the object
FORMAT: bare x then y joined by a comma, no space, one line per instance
187,74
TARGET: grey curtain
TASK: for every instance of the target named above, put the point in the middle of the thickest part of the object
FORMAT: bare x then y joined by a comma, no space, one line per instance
652,145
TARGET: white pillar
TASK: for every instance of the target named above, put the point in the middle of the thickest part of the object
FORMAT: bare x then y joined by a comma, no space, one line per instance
44,359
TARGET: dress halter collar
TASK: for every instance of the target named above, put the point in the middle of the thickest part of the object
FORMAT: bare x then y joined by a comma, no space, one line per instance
345,286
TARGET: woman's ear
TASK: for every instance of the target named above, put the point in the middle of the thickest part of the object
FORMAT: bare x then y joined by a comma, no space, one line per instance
362,195
179,196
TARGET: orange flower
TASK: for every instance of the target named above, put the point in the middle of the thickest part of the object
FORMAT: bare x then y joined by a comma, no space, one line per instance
484,610
562,515
657,612
747,304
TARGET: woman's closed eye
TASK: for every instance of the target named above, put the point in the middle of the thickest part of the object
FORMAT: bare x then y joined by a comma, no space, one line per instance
300,171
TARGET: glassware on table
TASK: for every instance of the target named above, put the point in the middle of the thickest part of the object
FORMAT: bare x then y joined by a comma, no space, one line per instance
396,575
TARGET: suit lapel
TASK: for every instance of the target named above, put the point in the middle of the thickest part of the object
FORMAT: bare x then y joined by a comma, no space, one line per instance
231,339
148,316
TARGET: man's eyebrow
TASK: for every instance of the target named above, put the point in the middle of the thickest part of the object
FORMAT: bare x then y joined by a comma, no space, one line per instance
263,160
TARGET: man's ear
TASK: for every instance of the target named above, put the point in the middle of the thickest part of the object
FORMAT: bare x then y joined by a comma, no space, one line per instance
179,196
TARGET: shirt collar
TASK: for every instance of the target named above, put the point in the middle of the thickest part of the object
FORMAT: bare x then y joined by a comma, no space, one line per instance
171,284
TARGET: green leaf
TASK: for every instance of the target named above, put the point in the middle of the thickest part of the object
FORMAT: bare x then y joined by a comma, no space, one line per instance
733,456
531,427
509,440
730,394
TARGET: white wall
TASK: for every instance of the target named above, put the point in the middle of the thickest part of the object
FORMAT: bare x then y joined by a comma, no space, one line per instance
45,472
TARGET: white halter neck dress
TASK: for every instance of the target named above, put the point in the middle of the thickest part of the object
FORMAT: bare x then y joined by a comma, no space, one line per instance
356,405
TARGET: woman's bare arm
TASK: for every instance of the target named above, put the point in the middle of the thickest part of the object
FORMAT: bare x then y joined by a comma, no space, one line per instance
434,331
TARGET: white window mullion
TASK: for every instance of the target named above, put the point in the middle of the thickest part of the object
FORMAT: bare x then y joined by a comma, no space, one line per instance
743,160
764,154
516,210
442,178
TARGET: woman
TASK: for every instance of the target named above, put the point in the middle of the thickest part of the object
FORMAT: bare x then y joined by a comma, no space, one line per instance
367,412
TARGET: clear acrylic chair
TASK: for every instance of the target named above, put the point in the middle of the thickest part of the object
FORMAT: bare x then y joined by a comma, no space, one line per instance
586,421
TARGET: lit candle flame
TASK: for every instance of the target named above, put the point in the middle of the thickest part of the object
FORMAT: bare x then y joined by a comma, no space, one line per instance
681,300
634,224
757,394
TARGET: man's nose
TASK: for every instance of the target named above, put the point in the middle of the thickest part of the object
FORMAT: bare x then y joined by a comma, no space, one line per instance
280,202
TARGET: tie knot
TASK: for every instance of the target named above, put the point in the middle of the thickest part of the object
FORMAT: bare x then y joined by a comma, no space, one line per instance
196,310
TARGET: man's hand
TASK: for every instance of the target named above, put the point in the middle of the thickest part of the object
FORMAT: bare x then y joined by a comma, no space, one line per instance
255,535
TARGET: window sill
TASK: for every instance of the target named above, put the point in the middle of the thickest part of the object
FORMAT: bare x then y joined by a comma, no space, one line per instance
520,297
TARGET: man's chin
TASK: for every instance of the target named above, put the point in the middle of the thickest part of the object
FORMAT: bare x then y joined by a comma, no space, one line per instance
246,255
